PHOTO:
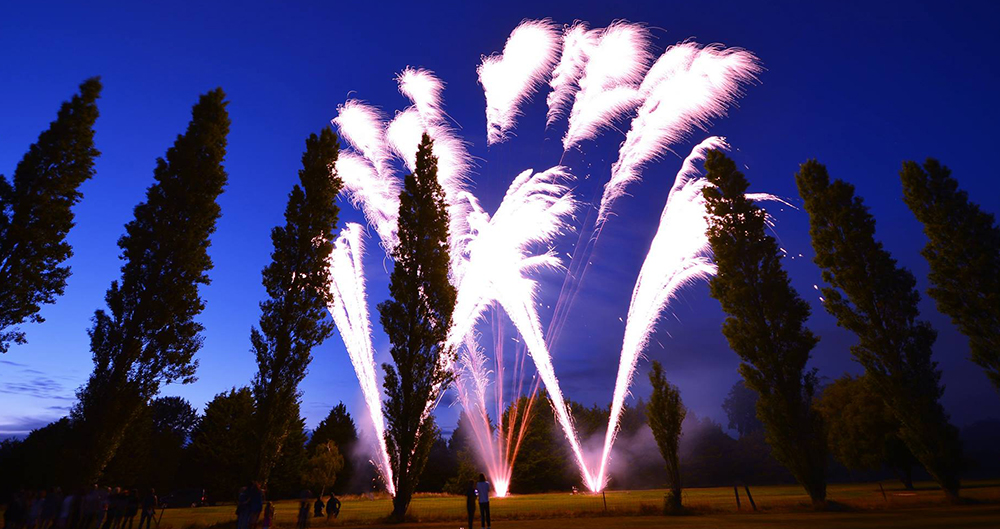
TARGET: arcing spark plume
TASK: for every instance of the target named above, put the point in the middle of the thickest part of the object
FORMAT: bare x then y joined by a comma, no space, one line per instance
512,77
577,44
350,314
609,85
378,198
687,87
533,212
369,180
471,384
678,255
424,89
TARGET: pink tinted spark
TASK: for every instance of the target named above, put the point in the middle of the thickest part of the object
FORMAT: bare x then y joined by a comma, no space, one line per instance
686,88
577,44
510,78
350,315
609,85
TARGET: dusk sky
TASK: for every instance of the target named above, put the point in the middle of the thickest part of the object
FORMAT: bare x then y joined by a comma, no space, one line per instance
858,86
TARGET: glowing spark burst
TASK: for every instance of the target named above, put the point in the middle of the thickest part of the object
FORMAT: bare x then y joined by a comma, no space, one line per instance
608,87
509,79
601,76
687,87
678,255
350,314
533,212
578,41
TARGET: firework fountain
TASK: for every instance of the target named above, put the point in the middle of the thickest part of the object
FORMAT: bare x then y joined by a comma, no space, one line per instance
597,78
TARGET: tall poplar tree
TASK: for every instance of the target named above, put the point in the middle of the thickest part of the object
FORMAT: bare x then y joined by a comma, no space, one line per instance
148,335
877,300
963,250
665,413
416,320
36,213
294,317
766,325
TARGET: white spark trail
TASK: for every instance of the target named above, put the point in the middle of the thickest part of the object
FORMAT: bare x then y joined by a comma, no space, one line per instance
510,78
533,212
678,256
609,86
377,197
687,87
424,89
350,315
577,43
370,182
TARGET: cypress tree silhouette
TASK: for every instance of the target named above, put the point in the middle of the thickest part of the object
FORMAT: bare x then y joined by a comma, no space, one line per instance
36,213
416,321
148,335
877,300
963,251
766,325
294,318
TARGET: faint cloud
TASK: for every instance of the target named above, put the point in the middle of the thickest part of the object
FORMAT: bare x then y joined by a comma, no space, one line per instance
40,387
22,426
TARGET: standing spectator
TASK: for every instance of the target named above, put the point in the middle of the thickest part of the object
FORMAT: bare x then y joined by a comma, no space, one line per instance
255,504
35,502
483,492
318,507
131,508
304,502
88,508
50,509
242,512
149,504
65,511
470,502
332,507
268,515
103,497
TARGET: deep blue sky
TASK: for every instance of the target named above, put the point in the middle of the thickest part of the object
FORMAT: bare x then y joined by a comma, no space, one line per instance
860,86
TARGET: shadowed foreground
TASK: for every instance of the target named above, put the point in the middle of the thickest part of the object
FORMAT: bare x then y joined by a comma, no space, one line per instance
857,505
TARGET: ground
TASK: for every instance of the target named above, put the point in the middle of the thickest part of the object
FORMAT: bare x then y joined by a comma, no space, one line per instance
852,505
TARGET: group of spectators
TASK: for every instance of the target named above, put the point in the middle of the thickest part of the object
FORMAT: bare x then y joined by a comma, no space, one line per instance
251,504
97,508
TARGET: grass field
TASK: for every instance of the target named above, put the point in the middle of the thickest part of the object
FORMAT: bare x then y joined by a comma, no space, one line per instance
855,505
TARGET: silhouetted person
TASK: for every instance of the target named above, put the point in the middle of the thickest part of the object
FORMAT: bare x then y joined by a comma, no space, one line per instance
332,507
131,508
483,492
470,502
303,520
318,507
255,504
50,509
242,511
268,515
149,504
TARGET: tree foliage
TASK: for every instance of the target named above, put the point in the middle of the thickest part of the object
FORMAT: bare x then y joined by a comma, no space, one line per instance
297,280
36,213
416,321
338,426
221,442
766,325
148,336
324,465
877,300
665,412
543,462
862,432
741,409
963,250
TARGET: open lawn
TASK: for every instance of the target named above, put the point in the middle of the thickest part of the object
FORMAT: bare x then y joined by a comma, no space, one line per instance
854,505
